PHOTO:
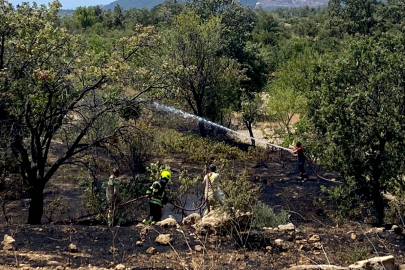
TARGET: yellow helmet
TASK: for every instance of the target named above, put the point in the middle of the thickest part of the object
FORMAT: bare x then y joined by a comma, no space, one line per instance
166,174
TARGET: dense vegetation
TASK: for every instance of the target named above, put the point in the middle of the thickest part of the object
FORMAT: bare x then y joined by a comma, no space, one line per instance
77,80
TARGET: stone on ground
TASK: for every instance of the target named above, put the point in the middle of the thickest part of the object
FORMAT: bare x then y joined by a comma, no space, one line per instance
287,227
8,243
120,267
376,263
314,238
198,248
164,239
318,267
72,247
151,250
139,243
168,223
191,219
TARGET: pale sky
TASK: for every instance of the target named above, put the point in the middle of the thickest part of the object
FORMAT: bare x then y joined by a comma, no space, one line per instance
68,4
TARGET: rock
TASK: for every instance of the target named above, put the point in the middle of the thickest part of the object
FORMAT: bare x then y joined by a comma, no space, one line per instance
168,223
164,239
143,233
300,242
314,238
401,267
139,243
353,236
298,237
318,245
396,229
151,250
24,266
72,248
380,230
216,222
198,248
191,219
270,230
59,267
279,242
269,248
54,263
287,227
120,267
8,243
376,263
318,267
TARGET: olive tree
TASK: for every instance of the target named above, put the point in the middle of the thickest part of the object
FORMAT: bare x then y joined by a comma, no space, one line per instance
56,90
357,108
204,82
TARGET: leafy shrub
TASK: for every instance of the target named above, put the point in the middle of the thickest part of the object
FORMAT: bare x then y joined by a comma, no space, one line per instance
350,205
154,170
264,216
355,253
92,199
395,212
239,192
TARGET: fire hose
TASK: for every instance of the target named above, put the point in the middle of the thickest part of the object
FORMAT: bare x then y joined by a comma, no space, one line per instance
207,185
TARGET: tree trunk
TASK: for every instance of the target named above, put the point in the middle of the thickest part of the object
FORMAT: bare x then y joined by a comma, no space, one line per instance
249,126
379,204
36,205
201,128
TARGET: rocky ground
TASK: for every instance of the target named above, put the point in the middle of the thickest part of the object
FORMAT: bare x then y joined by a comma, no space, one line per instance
313,238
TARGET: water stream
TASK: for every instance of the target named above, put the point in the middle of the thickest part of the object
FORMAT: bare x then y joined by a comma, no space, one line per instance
188,115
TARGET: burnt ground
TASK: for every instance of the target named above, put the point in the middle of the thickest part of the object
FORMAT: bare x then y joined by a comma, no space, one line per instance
311,212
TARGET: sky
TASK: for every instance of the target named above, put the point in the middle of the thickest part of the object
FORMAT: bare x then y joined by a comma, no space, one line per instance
68,4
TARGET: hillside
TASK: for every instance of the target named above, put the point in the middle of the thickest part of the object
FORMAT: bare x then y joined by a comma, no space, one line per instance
127,4
268,4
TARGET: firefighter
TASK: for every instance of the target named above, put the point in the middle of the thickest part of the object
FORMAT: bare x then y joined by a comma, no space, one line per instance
113,194
213,192
299,153
113,190
157,198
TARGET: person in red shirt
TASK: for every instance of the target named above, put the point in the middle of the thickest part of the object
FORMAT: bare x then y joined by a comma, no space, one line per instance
299,153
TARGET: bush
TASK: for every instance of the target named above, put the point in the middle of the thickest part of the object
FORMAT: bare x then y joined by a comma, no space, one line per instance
395,212
240,193
264,216
354,253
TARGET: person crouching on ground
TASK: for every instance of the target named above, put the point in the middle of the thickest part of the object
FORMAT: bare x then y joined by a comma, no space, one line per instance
211,176
299,153
157,198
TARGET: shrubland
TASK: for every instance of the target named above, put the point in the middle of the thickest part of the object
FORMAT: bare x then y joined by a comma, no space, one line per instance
77,82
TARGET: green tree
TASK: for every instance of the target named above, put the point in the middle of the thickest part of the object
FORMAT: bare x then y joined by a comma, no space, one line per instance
357,109
267,30
250,112
85,16
118,16
355,16
205,83
287,92
59,91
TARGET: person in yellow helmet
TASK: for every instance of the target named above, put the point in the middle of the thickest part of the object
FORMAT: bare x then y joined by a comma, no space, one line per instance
157,198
